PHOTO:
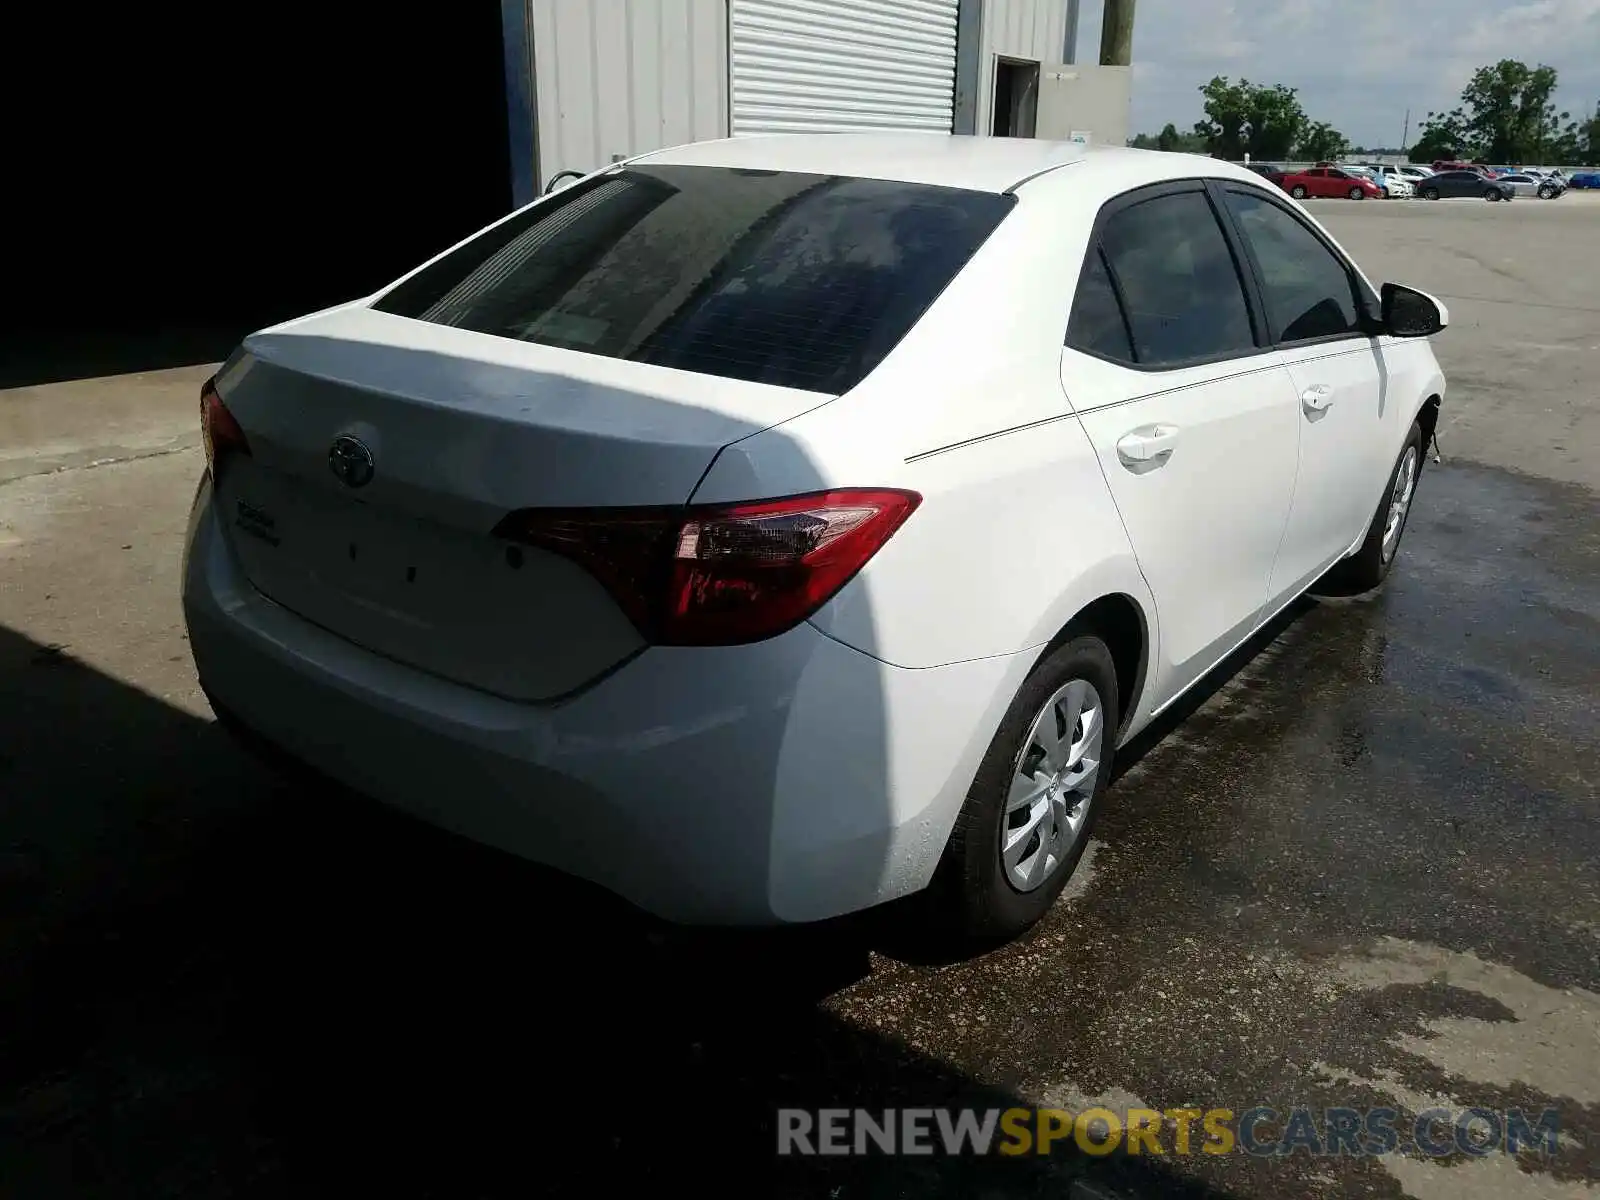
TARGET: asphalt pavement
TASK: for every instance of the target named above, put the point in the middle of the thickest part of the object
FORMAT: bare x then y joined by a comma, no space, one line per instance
1361,870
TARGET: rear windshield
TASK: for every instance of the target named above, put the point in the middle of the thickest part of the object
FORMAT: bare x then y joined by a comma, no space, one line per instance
802,281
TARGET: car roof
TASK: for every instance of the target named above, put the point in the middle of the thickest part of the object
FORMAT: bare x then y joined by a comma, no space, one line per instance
985,164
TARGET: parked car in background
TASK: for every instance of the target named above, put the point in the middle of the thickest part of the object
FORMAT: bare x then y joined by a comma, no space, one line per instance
1414,174
1583,180
1393,187
1329,183
1525,184
1267,171
698,608
1364,173
1442,165
1397,184
1450,185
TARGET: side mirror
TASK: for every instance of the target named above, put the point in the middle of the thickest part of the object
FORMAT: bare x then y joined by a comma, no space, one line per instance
1410,313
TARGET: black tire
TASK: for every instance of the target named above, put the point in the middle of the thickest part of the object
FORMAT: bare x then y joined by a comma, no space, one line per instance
1298,192
1547,193
1492,195
1430,193
1357,194
1370,565
971,897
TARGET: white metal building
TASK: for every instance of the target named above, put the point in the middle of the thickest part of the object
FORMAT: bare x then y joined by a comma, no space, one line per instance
601,80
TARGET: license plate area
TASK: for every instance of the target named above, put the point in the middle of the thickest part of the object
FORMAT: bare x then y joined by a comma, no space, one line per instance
401,566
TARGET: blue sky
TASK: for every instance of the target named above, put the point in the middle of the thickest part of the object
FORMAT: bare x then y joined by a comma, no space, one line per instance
1357,63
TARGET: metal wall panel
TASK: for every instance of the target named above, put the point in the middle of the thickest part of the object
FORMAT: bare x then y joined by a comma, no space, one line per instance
839,66
1094,100
615,78
1030,30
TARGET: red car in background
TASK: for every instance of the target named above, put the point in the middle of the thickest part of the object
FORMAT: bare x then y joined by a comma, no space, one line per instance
1329,182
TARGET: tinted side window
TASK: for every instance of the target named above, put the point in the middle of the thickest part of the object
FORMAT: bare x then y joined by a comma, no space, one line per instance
802,281
1178,280
1096,325
1308,291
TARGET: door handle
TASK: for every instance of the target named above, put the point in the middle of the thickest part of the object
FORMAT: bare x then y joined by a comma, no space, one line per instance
1316,398
1147,444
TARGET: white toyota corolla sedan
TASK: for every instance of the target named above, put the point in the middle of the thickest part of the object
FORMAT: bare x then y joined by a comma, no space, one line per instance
770,528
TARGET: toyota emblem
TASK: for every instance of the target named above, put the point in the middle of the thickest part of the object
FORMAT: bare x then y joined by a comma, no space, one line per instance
351,461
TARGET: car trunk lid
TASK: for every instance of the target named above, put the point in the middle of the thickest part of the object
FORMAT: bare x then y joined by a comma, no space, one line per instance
441,432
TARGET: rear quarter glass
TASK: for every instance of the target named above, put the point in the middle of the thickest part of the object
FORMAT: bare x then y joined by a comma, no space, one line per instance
795,280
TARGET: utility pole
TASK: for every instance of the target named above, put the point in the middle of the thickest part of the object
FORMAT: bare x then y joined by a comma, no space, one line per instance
1405,137
1069,50
1116,34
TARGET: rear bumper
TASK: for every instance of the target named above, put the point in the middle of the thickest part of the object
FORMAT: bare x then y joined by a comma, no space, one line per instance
787,781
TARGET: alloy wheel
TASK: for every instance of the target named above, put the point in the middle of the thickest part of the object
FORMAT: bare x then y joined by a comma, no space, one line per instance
1405,484
1052,786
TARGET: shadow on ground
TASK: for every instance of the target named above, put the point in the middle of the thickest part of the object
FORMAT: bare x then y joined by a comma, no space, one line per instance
220,980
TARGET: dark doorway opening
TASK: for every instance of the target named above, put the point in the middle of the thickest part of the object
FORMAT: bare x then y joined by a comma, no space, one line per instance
1016,98
190,173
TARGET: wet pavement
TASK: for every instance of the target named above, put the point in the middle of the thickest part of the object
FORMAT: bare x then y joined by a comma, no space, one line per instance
1364,870
1361,868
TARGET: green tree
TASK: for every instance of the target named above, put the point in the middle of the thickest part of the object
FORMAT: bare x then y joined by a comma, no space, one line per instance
1505,116
1508,112
1321,142
1246,118
1440,137
1169,139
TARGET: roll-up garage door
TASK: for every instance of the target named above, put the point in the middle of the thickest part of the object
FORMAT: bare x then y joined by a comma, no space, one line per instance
842,66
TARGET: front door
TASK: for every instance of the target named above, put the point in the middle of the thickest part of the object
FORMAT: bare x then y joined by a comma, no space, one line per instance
1313,300
1194,423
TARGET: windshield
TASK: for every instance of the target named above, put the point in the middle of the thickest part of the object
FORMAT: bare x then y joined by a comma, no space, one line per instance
797,280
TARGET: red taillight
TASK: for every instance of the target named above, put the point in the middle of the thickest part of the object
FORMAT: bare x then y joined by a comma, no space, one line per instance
218,429
722,574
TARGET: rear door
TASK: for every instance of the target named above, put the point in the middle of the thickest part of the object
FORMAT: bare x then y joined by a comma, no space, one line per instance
1314,303
1192,418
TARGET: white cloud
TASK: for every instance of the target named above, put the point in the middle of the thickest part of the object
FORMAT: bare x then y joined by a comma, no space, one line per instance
1359,64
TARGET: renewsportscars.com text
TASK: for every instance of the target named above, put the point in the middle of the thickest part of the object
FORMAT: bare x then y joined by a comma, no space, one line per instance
1262,1131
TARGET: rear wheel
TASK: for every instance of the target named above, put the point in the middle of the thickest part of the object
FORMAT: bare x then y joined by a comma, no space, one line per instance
1369,566
1026,820
1298,192
1430,193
